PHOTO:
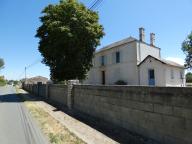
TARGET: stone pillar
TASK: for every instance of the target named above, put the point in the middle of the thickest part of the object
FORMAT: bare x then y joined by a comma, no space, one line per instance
38,88
47,91
70,84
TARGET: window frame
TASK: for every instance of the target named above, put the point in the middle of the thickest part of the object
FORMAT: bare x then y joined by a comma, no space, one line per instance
172,74
102,60
181,74
117,57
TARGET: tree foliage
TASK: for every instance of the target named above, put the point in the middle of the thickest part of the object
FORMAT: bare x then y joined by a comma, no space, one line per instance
2,81
189,77
69,35
187,49
1,63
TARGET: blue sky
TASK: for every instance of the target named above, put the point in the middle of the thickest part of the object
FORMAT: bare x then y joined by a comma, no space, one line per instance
170,20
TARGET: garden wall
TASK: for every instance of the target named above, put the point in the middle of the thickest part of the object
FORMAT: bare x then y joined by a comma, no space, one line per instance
160,113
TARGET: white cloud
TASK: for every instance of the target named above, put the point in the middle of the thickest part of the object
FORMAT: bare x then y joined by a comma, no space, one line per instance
177,60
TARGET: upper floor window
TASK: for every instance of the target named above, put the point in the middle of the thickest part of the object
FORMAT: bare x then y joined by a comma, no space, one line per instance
172,74
118,57
103,60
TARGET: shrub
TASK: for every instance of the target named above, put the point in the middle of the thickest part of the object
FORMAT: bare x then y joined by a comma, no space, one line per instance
120,82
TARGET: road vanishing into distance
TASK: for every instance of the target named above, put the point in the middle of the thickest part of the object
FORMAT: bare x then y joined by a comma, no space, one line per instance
16,125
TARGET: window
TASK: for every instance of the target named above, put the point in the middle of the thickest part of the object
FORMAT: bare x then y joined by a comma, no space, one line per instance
102,60
117,57
181,75
151,74
151,77
172,74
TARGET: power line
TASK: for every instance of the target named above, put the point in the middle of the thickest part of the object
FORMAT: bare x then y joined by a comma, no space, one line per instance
92,3
95,4
27,67
99,5
20,76
88,3
34,63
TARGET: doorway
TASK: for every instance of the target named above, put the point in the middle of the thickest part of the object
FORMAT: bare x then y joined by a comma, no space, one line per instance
103,77
151,77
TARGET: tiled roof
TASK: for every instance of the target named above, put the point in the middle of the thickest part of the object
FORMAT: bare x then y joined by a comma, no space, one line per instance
172,63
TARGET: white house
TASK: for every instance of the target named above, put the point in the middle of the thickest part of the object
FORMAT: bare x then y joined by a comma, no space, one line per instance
136,63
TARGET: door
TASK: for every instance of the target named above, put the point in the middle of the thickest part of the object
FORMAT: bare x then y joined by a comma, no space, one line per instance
103,77
151,77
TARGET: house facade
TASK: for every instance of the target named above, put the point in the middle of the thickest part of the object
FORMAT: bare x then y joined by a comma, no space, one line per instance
134,62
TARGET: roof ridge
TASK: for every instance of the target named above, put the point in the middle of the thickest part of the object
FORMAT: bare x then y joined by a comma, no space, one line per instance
117,43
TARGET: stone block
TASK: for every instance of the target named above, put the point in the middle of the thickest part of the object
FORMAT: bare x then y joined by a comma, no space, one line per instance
173,122
183,112
163,109
188,124
154,117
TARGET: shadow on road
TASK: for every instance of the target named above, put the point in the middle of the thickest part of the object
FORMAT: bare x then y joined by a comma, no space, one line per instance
15,98
10,98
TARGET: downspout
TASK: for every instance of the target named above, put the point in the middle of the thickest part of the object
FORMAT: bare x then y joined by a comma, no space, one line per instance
139,51
138,67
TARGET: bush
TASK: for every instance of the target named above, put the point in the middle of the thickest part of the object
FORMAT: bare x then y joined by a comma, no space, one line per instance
120,82
2,81
189,77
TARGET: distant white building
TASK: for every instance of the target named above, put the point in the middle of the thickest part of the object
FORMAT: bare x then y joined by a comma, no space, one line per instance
136,63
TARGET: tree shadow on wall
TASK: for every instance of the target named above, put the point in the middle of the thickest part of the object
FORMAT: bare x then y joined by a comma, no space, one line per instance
114,132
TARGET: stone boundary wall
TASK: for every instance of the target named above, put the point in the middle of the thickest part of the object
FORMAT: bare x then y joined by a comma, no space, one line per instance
42,90
161,113
58,94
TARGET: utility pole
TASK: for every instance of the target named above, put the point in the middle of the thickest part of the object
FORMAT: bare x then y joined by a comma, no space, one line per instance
25,75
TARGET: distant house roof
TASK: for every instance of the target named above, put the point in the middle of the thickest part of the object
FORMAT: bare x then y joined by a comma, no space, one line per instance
37,79
121,42
167,62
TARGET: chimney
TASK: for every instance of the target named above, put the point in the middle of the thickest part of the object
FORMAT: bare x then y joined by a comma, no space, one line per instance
142,34
152,39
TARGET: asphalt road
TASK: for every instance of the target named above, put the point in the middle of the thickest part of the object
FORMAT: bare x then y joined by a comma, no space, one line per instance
16,125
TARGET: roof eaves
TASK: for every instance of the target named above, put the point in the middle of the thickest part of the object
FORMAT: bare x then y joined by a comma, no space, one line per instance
115,44
163,62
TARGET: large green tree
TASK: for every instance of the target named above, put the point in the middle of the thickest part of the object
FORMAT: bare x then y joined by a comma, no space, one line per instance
187,49
1,63
69,35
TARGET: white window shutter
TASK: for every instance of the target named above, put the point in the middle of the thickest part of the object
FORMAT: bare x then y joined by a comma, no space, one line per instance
105,60
113,57
121,56
98,61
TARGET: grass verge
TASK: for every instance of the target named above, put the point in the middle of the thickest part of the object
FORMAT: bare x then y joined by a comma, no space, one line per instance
56,132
